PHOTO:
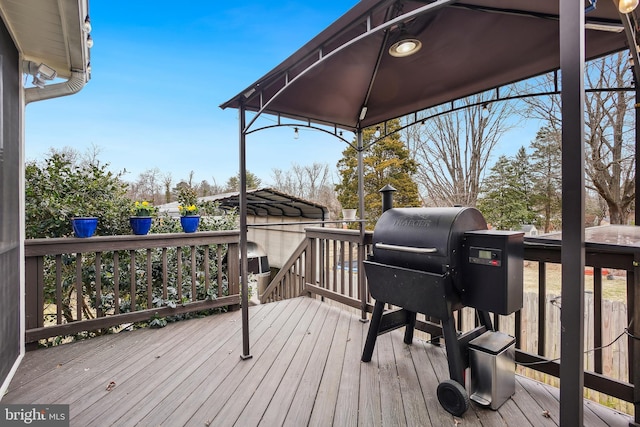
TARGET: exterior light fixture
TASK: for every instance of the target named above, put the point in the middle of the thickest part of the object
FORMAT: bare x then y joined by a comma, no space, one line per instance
89,41
377,132
87,25
41,73
363,113
45,72
627,6
406,47
296,134
38,82
485,110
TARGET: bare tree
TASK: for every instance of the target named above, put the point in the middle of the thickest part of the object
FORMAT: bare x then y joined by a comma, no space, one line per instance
452,149
148,186
166,183
310,182
609,155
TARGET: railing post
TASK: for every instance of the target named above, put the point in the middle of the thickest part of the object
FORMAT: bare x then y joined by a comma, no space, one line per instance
233,275
34,295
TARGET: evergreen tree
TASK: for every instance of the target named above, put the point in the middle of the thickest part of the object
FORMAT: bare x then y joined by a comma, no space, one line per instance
233,183
507,197
385,162
546,166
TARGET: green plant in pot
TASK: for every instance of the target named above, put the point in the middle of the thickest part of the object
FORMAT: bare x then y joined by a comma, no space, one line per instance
189,211
142,214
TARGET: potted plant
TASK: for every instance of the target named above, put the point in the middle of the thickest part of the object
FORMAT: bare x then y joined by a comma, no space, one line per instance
83,223
84,226
141,217
188,207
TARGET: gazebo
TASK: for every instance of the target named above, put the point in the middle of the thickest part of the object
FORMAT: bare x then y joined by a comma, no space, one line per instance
386,59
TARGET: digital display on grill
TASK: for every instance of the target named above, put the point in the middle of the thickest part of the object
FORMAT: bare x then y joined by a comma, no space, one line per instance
485,256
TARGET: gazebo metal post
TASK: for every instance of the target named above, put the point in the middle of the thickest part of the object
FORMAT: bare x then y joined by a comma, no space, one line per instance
572,47
361,247
633,308
636,107
244,265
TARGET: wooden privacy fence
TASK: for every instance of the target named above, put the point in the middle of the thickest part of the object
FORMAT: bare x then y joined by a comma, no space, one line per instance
77,285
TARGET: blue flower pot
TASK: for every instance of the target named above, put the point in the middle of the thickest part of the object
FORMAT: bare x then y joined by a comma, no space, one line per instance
140,224
84,226
190,223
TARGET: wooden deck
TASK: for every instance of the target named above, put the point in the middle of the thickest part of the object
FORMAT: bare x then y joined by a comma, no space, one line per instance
305,370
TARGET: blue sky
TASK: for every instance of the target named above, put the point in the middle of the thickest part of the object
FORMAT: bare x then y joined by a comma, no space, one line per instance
159,72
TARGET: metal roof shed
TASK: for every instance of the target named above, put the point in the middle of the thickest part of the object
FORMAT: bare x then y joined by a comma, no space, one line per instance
345,78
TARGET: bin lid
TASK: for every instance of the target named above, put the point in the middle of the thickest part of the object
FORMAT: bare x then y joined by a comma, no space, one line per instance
493,342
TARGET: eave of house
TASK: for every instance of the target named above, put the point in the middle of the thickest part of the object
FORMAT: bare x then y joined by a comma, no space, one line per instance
50,32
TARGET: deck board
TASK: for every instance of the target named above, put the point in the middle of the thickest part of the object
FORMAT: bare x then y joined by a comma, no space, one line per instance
305,370
346,409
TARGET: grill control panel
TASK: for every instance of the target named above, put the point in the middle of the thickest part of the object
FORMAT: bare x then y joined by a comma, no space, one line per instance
491,270
485,256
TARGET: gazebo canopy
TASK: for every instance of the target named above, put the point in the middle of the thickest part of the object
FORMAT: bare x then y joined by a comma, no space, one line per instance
345,76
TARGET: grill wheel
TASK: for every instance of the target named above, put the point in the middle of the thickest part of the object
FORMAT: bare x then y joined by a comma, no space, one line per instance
453,397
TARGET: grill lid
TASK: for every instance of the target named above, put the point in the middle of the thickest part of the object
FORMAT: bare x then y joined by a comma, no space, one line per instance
426,239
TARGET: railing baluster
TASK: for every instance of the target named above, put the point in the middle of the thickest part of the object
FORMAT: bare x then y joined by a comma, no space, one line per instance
133,297
597,319
350,261
542,309
194,295
206,270
116,282
98,266
165,274
332,267
219,261
79,286
58,289
179,273
149,280
339,262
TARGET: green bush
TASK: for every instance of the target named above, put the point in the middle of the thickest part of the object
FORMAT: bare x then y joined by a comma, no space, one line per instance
60,187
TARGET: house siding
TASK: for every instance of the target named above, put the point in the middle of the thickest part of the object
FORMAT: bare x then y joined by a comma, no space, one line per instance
10,205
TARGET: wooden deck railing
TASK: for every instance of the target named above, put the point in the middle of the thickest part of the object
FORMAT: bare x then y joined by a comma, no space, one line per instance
328,263
78,285
333,258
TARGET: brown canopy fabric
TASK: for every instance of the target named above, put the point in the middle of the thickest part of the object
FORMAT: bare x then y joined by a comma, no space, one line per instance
467,47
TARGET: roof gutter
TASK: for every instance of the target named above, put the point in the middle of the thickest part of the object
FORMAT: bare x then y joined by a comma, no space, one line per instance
75,83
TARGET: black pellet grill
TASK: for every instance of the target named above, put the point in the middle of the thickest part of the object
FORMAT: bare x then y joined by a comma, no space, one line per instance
435,261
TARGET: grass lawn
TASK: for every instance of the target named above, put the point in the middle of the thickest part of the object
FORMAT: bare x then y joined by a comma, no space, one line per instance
613,290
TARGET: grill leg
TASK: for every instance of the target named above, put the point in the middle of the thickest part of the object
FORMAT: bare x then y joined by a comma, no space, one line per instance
454,354
411,324
372,335
485,319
